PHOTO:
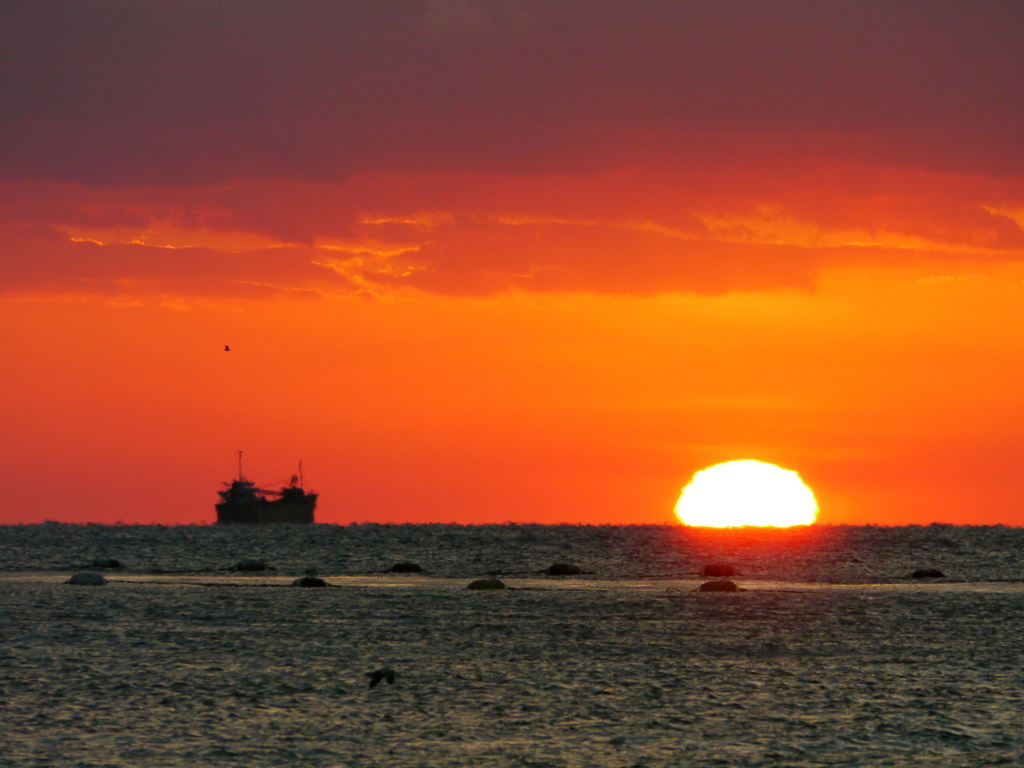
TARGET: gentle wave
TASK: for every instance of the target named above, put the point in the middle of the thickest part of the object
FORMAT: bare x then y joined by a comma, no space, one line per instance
813,554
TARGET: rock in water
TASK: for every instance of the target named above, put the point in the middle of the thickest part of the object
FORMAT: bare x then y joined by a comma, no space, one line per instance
309,581
405,568
563,569
718,586
384,673
487,584
87,579
252,565
107,562
927,573
719,570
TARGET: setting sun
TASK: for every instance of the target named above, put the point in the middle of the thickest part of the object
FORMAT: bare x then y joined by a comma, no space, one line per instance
746,492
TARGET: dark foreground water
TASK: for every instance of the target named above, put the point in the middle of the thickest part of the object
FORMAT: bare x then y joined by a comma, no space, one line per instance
834,656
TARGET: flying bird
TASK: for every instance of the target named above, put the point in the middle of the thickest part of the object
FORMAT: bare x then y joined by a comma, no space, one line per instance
227,348
384,673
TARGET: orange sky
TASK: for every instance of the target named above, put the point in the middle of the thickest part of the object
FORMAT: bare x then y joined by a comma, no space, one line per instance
479,281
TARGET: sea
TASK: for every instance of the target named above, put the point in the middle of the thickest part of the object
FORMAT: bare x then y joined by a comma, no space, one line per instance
830,654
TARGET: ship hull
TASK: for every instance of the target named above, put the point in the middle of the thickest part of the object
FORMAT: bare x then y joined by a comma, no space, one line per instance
260,511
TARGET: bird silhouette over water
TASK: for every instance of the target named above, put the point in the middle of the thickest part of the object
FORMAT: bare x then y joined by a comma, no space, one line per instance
227,348
384,673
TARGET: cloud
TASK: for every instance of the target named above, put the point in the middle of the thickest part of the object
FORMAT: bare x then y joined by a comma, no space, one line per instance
199,93
43,260
631,232
474,17
476,146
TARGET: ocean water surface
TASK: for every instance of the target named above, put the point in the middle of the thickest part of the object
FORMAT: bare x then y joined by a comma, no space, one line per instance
834,654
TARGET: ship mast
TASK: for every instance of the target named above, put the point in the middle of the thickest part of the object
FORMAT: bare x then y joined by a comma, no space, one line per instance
240,466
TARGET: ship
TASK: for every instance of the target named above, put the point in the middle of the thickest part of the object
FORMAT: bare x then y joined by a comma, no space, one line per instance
245,504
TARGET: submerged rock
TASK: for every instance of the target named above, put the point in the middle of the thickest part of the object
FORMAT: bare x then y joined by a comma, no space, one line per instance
487,584
405,568
309,581
106,562
563,569
927,573
719,570
252,565
722,585
87,579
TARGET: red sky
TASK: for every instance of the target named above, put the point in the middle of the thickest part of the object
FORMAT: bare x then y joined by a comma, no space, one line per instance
511,260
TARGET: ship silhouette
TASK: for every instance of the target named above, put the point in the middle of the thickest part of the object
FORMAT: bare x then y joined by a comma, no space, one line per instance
242,502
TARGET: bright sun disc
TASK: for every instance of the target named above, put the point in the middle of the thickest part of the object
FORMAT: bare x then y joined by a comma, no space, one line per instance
746,493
